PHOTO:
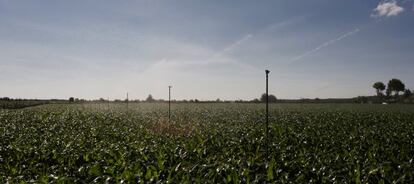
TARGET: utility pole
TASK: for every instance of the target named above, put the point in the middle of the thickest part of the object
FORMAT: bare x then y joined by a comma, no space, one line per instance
169,102
267,114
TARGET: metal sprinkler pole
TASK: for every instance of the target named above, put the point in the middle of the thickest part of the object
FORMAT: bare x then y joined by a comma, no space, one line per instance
127,101
108,103
267,114
169,103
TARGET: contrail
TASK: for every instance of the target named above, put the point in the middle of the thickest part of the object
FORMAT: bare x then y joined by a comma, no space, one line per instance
251,36
326,44
233,45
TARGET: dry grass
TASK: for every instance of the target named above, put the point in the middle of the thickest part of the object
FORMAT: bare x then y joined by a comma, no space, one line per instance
172,128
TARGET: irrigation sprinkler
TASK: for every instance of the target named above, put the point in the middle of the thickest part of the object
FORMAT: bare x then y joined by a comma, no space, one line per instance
108,103
127,101
169,102
267,113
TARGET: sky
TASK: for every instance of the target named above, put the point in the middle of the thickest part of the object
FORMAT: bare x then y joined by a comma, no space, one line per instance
205,49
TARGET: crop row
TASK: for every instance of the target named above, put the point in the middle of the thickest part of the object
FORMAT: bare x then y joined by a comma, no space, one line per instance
206,143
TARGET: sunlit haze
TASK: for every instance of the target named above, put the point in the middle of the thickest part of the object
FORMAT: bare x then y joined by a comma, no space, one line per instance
205,49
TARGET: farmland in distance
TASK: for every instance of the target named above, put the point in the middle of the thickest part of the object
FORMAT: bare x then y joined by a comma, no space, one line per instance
207,143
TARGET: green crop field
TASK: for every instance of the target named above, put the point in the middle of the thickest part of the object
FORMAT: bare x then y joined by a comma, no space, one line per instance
207,143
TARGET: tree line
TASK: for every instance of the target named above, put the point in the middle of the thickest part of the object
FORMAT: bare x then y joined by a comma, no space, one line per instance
392,89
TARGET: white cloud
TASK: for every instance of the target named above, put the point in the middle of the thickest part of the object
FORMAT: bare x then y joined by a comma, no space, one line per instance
387,9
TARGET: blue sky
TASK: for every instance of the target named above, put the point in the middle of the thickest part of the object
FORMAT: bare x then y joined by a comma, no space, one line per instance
205,49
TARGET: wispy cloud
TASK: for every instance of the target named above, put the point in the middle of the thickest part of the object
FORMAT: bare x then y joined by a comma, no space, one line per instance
326,44
287,23
387,9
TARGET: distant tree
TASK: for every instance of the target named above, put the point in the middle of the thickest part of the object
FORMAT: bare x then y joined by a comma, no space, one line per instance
272,98
407,93
388,92
149,98
71,99
5,98
379,86
362,99
395,85
255,100
218,100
